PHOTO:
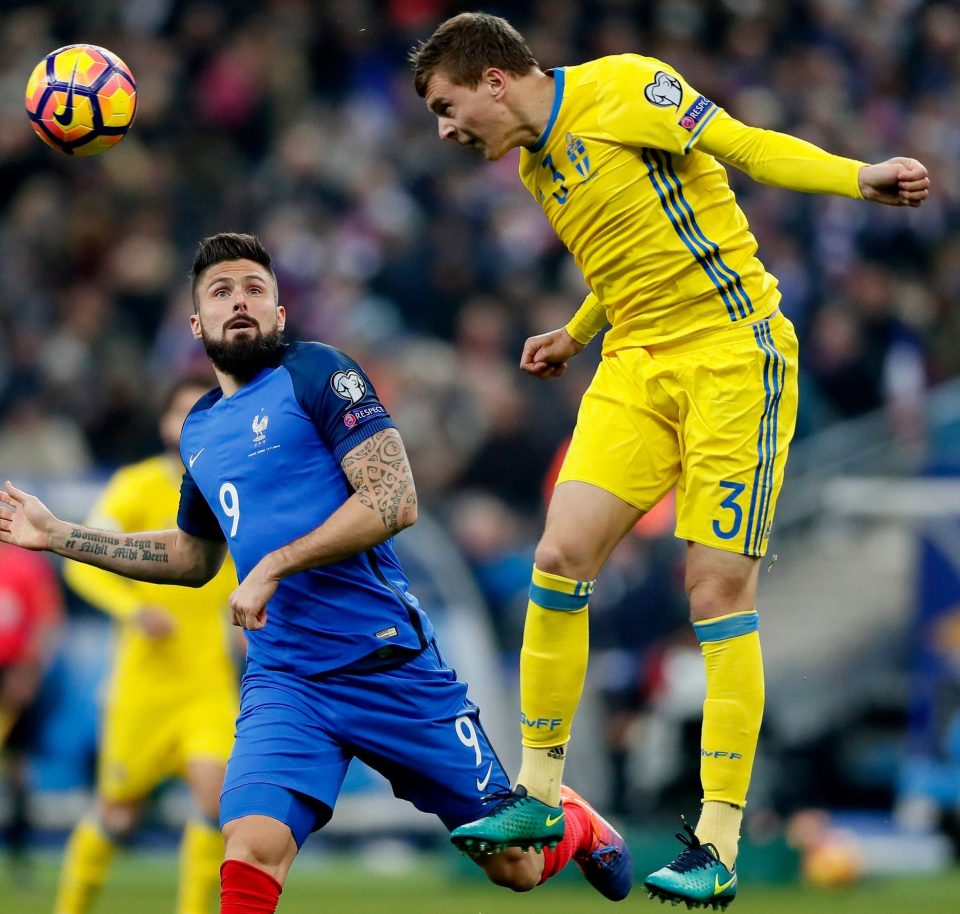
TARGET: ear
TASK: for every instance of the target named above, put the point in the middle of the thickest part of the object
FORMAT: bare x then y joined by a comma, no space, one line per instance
195,327
495,81
281,317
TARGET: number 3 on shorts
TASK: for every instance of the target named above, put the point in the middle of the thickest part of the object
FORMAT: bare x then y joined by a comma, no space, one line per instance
730,504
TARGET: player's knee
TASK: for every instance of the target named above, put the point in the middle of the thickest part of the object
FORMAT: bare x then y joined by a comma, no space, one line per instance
559,558
513,869
713,595
268,849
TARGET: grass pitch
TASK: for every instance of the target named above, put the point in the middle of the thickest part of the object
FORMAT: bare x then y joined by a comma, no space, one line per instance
146,883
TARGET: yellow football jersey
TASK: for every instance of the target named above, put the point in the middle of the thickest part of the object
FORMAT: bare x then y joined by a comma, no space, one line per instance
196,657
626,171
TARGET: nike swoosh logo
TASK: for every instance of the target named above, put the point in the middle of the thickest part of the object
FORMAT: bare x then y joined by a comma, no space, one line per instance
717,888
552,820
193,457
63,118
482,785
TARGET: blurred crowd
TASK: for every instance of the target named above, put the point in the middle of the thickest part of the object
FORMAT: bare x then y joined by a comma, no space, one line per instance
298,121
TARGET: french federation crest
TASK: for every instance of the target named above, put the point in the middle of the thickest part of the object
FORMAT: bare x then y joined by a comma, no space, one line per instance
259,426
349,385
577,154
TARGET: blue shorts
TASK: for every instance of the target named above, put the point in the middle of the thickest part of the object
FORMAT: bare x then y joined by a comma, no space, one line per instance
413,723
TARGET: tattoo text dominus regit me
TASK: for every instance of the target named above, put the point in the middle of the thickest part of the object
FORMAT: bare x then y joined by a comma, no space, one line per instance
116,546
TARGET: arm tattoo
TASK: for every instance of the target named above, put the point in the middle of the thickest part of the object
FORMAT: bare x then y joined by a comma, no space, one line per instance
116,545
380,474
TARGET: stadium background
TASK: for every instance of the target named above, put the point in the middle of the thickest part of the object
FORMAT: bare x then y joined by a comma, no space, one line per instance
297,121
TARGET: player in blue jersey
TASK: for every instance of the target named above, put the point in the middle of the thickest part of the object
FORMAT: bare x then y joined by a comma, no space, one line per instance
295,466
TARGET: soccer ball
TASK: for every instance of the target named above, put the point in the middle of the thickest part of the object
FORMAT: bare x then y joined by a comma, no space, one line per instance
81,99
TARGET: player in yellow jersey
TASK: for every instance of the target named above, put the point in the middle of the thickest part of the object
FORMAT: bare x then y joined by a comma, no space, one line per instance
697,387
173,696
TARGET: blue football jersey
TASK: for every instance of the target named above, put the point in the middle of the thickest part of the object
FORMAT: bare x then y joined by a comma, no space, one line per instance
263,469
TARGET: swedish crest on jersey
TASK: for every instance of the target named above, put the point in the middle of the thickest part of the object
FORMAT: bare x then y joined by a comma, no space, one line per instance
578,155
349,385
665,91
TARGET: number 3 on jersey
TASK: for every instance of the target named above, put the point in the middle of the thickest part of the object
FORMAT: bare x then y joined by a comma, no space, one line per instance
230,502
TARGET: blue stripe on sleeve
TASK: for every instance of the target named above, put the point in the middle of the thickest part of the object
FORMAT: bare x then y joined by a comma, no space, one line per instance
696,133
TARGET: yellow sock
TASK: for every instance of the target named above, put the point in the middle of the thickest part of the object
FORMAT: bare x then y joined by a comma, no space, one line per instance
553,666
719,825
85,864
201,853
732,713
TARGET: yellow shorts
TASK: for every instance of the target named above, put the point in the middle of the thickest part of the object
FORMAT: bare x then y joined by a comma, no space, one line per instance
146,743
713,417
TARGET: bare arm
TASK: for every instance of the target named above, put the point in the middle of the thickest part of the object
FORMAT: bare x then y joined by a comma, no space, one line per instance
383,503
157,556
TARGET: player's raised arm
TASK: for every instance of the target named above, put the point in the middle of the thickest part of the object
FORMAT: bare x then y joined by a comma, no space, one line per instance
786,161
157,556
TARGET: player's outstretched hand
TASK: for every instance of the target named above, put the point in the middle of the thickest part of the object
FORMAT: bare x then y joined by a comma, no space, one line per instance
248,603
896,182
24,519
546,355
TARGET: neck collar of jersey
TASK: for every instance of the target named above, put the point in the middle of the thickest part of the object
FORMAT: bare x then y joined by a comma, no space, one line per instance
557,74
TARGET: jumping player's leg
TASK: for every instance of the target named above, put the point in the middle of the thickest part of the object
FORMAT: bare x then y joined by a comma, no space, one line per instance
722,587
736,443
622,459
584,524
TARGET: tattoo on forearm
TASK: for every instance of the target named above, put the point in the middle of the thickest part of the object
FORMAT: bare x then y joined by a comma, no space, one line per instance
118,546
380,474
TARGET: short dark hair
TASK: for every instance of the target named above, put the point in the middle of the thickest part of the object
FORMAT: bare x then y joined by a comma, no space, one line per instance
464,46
228,246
